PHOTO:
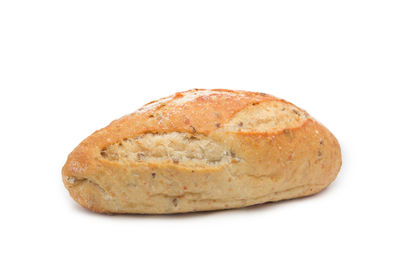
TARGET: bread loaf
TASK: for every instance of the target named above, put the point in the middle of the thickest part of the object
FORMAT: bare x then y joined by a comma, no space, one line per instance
202,150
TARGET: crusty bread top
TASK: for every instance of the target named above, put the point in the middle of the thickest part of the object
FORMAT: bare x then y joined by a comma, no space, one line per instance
193,112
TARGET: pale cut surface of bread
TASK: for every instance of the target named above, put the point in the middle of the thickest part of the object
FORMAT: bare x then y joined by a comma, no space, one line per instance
202,150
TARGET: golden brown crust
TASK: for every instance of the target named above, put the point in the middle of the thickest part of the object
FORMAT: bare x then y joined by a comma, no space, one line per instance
279,164
156,117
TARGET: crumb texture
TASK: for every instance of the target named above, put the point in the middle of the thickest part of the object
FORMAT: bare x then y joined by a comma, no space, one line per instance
175,147
267,117
199,150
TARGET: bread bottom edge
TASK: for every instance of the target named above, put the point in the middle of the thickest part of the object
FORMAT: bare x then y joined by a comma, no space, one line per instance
92,197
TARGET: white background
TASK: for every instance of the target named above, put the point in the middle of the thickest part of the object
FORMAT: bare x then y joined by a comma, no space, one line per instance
68,68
